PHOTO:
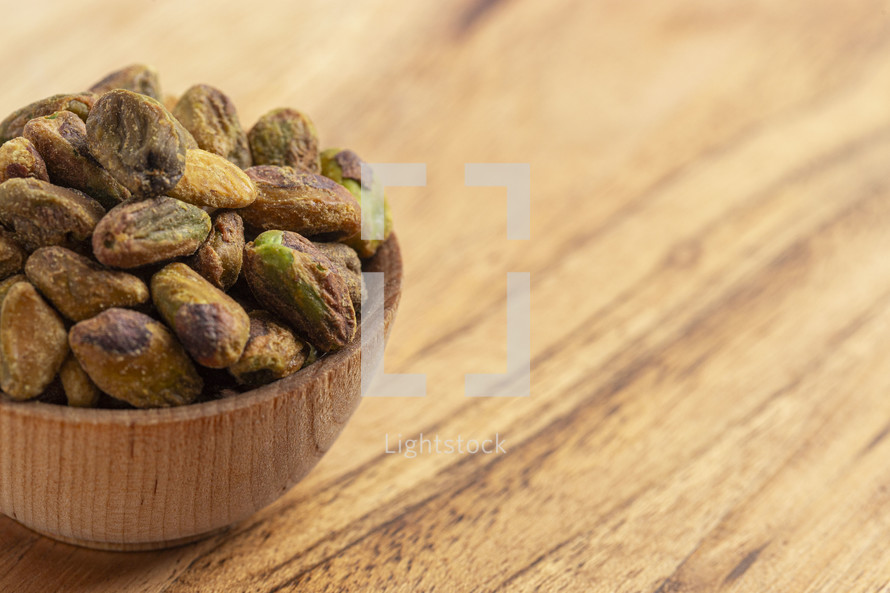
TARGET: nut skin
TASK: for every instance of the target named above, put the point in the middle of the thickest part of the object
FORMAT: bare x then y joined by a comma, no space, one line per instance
61,139
41,214
80,391
292,279
138,78
138,141
78,287
12,256
213,121
80,104
287,138
272,352
220,256
138,233
211,325
33,342
304,203
345,167
136,359
8,283
349,266
19,158
210,180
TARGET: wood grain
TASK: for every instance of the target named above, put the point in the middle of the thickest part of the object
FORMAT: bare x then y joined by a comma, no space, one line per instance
710,290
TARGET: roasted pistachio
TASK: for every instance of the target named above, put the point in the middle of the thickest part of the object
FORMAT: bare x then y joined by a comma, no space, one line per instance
209,323
80,391
138,141
80,288
272,352
349,266
12,256
138,233
210,180
117,175
134,358
138,78
345,167
33,342
213,121
79,104
6,284
285,137
304,203
293,279
219,257
40,213
19,158
61,139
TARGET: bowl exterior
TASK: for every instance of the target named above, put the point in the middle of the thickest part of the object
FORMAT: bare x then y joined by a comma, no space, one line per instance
147,479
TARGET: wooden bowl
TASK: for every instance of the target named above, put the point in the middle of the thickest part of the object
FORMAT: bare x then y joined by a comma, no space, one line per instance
149,479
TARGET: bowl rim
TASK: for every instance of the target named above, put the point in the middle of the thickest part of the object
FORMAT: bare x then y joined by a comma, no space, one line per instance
388,259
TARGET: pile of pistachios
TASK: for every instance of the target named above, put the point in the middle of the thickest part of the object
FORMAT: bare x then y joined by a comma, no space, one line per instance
154,254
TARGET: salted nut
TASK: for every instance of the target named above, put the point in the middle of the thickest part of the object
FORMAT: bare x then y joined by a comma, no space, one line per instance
155,253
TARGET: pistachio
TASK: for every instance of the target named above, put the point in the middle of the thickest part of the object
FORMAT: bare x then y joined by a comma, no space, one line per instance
272,352
19,158
285,137
80,391
33,342
293,279
134,358
61,139
345,167
40,213
210,180
210,324
80,288
212,119
125,212
349,266
6,284
138,141
12,256
219,257
138,78
79,104
304,203
138,233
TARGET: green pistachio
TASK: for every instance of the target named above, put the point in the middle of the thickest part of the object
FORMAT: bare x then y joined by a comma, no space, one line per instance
345,167
290,277
138,233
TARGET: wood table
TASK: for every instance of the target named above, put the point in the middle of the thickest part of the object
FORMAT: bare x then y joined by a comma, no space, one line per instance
710,290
